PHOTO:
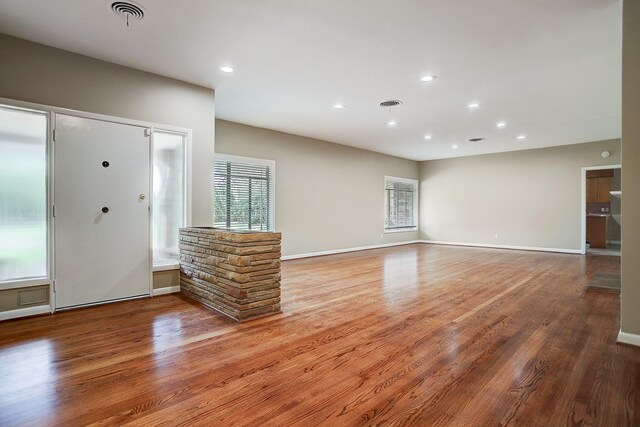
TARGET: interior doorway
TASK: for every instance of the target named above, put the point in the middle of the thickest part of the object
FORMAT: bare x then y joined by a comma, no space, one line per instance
601,204
101,211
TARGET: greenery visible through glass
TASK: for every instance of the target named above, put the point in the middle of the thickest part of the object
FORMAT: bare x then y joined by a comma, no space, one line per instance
23,194
242,194
399,205
168,196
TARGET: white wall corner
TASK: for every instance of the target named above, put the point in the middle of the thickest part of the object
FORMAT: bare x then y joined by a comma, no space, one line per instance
627,338
166,290
25,312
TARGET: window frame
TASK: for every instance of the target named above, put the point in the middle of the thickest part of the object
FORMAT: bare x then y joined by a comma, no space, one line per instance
416,205
26,282
271,164
186,183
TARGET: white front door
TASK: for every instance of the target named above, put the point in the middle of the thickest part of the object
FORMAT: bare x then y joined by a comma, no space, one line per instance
101,197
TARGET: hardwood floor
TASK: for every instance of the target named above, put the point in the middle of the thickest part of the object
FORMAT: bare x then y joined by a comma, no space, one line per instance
411,335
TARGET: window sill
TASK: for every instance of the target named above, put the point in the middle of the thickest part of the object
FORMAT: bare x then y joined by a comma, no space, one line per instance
25,283
166,267
401,230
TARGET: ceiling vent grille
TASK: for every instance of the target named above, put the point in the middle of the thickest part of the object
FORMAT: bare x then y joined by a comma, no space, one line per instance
390,103
474,140
128,10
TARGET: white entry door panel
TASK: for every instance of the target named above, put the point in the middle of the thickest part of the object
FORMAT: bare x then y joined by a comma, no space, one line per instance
100,256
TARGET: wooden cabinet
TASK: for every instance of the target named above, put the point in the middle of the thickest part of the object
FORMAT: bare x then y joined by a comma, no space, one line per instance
598,190
597,231
604,188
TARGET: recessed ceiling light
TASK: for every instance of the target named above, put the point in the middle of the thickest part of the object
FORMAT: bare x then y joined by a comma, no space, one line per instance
473,105
338,106
226,69
392,123
522,136
501,124
427,137
455,147
427,78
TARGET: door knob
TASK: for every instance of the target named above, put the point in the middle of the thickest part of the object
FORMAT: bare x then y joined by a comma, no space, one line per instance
142,196
105,209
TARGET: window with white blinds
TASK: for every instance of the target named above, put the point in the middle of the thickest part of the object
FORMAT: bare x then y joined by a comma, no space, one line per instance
243,193
401,204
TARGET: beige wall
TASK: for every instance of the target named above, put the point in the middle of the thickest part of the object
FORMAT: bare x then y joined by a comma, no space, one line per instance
37,73
528,198
41,74
12,299
328,196
165,279
630,305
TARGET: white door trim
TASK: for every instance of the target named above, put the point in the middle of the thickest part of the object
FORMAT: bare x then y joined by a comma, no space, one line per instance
583,203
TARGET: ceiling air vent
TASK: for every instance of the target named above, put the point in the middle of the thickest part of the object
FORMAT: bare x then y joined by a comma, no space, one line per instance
128,10
390,103
474,140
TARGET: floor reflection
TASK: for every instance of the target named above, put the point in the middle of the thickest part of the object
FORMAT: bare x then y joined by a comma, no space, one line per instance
167,331
28,378
400,275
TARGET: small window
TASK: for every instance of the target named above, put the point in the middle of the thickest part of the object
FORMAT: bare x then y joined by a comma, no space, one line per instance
401,204
23,194
243,189
169,199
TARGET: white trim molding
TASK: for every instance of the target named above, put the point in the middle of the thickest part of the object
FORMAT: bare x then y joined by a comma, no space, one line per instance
341,251
25,312
166,267
519,248
166,290
26,283
627,338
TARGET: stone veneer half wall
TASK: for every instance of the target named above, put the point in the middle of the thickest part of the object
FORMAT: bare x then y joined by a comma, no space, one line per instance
234,273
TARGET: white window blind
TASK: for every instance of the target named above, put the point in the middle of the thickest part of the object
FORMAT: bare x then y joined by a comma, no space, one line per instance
401,204
243,193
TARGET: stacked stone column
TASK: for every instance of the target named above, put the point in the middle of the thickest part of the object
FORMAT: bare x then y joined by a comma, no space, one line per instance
234,273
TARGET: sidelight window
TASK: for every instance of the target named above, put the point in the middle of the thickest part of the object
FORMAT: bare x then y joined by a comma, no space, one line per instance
23,194
169,201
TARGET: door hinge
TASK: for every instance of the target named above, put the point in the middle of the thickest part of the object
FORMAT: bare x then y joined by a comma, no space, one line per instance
54,135
53,210
54,286
147,132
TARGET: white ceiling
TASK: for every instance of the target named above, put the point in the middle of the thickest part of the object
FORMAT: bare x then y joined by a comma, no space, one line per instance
549,68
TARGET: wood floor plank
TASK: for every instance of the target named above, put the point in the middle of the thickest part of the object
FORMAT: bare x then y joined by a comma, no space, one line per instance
410,335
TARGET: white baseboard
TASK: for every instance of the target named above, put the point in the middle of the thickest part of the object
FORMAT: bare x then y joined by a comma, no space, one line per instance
340,251
520,248
167,290
25,312
627,338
